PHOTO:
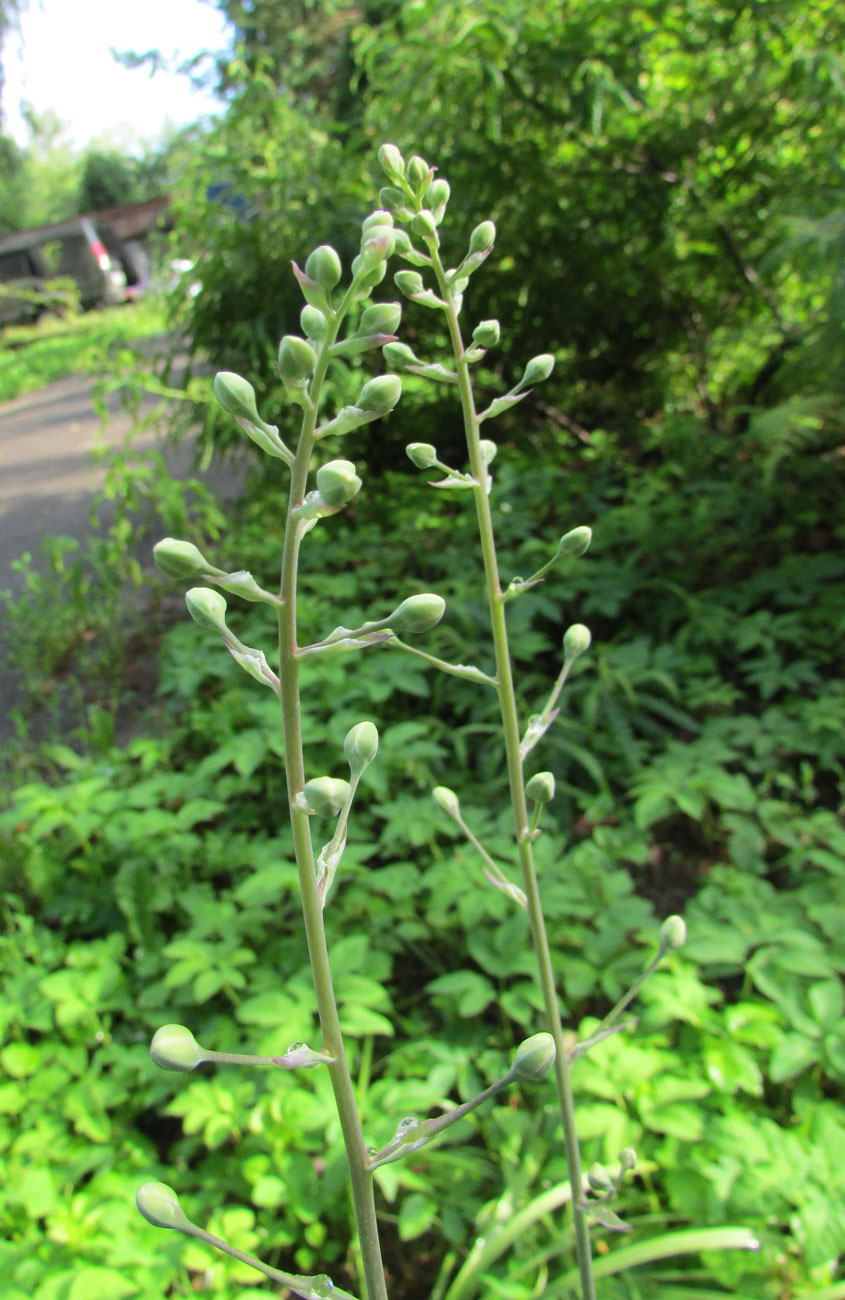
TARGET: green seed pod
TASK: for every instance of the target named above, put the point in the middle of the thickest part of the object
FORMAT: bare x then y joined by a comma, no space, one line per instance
418,173
399,355
418,613
576,640
380,318
437,196
380,394
160,1206
324,266
236,396
483,237
541,787
421,454
409,283
313,322
296,361
598,1179
673,933
392,162
575,542
447,800
487,333
175,1048
538,369
337,482
360,746
207,607
534,1058
180,559
326,795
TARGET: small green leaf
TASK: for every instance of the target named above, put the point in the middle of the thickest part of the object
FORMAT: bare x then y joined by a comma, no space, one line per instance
416,1215
793,1054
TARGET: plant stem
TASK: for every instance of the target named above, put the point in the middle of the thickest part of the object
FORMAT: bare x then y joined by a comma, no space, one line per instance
510,727
312,911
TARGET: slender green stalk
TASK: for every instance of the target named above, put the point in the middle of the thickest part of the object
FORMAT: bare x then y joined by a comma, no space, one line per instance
510,727
312,910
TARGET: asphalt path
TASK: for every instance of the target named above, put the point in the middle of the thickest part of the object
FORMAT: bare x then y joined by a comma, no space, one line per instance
49,479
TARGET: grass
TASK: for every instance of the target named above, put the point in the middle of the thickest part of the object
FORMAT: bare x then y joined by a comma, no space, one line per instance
32,356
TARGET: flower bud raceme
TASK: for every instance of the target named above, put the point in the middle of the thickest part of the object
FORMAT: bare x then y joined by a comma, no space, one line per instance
324,266
447,800
326,795
575,542
207,607
541,787
392,162
534,1058
180,559
380,318
576,640
673,933
360,747
337,482
483,237
175,1048
421,454
487,333
418,173
313,322
418,613
409,282
538,369
380,394
160,1206
296,361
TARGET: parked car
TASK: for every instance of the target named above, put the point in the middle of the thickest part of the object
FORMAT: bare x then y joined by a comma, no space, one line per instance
89,254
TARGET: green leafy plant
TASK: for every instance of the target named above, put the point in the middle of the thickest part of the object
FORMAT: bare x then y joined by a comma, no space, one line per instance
342,324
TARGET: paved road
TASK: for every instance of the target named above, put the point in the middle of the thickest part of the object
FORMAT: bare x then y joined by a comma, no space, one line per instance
48,478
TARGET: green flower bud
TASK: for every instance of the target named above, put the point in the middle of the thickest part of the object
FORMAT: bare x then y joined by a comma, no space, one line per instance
424,225
628,1158
160,1206
324,266
237,397
360,746
391,161
296,361
538,369
175,1048
488,449
576,640
418,613
380,318
380,394
180,559
534,1058
313,322
673,933
483,237
575,542
337,482
541,787
326,795
421,454
598,1179
437,196
487,333
409,282
418,173
394,201
399,355
447,800
207,607
372,224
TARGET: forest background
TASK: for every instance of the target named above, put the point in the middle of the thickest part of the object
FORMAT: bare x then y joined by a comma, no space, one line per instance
667,182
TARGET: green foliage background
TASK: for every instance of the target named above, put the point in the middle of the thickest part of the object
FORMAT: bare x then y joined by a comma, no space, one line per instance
668,193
